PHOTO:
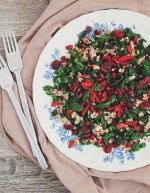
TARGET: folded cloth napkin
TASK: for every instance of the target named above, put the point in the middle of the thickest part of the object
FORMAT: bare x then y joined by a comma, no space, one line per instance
77,178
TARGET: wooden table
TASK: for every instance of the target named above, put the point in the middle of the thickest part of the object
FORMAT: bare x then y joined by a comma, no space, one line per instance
17,174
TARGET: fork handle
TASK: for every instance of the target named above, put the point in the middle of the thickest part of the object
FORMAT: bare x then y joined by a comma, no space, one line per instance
27,129
24,102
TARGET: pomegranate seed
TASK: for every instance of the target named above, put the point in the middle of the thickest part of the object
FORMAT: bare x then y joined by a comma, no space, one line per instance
88,29
69,112
102,75
63,59
100,112
69,47
113,75
98,79
92,108
98,32
99,141
92,137
82,45
88,123
126,88
80,94
148,94
87,136
74,131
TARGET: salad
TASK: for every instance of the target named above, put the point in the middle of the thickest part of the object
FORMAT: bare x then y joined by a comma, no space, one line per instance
101,90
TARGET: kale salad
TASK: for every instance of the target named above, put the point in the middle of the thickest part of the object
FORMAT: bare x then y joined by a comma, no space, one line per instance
101,90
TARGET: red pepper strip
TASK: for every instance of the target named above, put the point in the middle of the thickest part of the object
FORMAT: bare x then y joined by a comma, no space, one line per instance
87,83
129,123
71,143
87,106
135,39
129,48
119,113
92,92
92,97
84,76
103,84
110,108
75,88
128,145
88,123
136,128
74,83
99,141
115,59
120,125
69,112
119,91
104,96
148,94
118,108
126,58
97,99
55,103
147,79
134,123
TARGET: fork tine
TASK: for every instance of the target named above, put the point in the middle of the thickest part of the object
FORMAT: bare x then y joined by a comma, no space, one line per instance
1,66
8,42
11,39
3,63
15,41
4,41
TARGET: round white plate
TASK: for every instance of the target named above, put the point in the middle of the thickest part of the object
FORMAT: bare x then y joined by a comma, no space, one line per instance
89,156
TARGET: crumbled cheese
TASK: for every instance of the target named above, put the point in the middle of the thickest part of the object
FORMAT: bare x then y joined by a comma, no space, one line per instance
137,102
95,67
121,70
131,78
68,55
94,115
98,130
111,51
132,46
145,97
147,126
141,114
92,53
140,60
141,123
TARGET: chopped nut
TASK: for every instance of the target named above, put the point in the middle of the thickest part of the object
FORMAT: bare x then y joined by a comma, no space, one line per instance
96,67
141,114
86,40
92,53
145,97
94,115
140,60
68,55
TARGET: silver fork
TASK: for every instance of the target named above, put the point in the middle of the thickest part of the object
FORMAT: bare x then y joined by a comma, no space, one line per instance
6,82
15,65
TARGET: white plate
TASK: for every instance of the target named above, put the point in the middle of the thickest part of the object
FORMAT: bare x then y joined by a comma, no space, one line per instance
89,156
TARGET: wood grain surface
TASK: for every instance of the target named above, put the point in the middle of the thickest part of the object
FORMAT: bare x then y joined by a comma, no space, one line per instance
17,174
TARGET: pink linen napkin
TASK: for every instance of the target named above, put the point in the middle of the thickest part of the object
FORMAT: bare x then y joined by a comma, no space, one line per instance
77,178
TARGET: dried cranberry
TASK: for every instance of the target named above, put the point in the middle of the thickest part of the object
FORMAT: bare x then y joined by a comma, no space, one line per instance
102,76
87,136
63,59
113,75
92,108
56,64
129,104
131,92
82,45
85,130
68,127
107,148
74,131
145,104
106,67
